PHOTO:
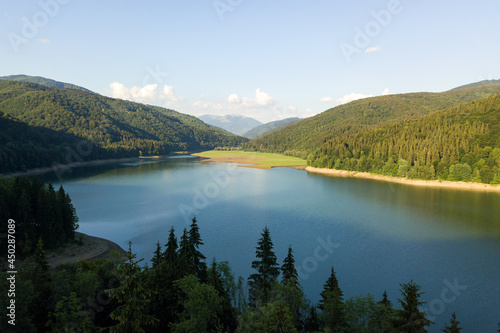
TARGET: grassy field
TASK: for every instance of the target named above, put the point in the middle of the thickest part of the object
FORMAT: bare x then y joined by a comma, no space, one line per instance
253,159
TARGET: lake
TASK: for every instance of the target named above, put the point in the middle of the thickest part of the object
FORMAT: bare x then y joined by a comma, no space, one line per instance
376,234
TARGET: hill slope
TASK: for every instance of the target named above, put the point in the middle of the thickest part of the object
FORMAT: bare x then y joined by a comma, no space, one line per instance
309,134
233,123
269,127
42,81
461,143
121,128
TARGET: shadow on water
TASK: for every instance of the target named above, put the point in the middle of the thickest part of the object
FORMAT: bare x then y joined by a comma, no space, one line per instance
474,211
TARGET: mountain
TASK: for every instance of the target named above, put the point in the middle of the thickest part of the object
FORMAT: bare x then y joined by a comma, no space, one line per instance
305,136
42,81
233,123
477,84
100,127
269,127
461,143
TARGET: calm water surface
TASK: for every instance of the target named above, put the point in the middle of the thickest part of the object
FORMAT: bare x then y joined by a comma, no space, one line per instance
376,234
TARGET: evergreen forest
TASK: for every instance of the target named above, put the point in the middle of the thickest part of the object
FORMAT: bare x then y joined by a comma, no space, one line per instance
180,290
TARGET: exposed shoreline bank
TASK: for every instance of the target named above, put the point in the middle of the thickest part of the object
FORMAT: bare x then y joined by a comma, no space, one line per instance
63,167
91,249
406,181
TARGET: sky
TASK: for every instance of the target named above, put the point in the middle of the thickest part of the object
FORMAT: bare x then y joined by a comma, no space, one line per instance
264,59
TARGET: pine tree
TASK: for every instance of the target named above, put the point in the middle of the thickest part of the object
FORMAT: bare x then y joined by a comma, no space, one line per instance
332,284
170,254
185,264
312,321
226,315
197,258
332,304
40,257
453,326
410,318
157,257
289,273
383,316
267,271
133,297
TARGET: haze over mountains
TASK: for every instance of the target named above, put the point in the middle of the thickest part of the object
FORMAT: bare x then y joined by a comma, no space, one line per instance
234,123
47,121
245,126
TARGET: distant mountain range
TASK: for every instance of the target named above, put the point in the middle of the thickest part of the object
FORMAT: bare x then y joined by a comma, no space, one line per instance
234,123
269,127
452,135
79,125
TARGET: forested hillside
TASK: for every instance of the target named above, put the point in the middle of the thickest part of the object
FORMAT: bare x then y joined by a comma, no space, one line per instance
461,143
303,137
24,147
42,81
120,128
181,292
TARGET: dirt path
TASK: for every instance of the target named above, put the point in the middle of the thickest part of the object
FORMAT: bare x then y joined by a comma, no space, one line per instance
93,248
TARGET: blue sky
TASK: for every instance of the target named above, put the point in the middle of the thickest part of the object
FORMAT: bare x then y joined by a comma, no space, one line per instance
264,59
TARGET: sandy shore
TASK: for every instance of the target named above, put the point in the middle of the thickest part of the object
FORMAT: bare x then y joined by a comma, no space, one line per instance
93,248
414,182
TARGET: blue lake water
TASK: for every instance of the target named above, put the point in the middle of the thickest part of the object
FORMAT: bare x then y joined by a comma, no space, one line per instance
376,234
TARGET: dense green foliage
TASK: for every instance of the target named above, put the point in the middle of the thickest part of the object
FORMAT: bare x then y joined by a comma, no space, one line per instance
111,295
461,143
42,81
120,128
40,212
25,147
305,136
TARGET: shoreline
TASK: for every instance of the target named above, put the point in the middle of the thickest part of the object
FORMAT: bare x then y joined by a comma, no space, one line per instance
92,249
406,181
63,167
253,160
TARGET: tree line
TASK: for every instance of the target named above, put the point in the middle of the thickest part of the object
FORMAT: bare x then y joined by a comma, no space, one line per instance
459,144
42,125
40,212
179,292
307,135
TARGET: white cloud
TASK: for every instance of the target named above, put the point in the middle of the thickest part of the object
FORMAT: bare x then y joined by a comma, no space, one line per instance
351,97
374,49
233,98
147,94
326,99
261,99
168,92
385,92
44,40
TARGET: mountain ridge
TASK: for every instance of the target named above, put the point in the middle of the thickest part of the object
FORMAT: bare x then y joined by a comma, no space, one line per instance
234,123
121,128
304,136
